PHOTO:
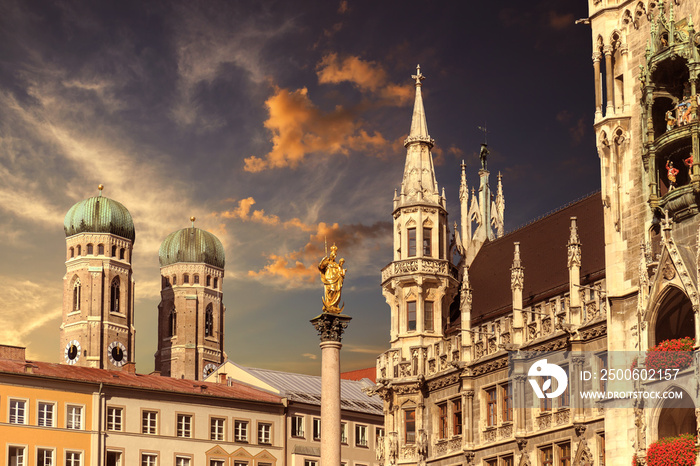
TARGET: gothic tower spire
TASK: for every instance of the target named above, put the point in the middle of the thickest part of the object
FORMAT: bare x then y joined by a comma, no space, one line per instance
419,183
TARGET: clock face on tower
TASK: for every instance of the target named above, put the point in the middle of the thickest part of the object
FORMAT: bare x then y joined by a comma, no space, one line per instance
208,369
72,352
117,353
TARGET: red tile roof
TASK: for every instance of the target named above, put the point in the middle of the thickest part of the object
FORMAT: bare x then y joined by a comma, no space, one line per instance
137,381
543,252
359,374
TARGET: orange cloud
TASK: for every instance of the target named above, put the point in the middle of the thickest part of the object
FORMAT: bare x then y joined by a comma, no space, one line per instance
364,74
559,22
343,7
243,212
299,128
302,263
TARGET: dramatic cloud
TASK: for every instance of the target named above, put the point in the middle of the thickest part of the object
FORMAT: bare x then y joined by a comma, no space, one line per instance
243,212
36,303
354,240
299,128
366,75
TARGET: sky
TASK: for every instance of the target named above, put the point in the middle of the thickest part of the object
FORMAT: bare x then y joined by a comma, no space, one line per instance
276,124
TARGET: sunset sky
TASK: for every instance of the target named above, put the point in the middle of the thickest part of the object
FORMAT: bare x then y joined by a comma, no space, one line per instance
277,124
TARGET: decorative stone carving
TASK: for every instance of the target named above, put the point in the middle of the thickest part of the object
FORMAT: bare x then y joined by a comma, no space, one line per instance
505,431
330,327
544,421
562,417
489,435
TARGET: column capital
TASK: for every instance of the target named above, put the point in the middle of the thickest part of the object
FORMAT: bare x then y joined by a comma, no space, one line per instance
596,57
607,50
330,326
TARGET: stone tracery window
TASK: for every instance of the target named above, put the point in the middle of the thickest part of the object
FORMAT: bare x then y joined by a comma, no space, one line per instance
114,295
76,294
209,321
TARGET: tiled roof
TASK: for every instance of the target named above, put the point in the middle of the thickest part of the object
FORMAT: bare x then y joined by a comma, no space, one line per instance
307,389
543,252
135,381
359,374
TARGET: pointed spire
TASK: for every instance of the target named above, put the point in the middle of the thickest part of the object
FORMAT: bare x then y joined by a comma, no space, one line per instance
499,207
463,190
517,271
419,125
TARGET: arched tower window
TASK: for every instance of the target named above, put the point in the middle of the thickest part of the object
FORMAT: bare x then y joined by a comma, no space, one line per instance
121,253
675,318
78,249
209,321
89,249
185,278
72,252
677,416
76,294
172,324
114,296
114,251
208,280
101,249
216,282
196,279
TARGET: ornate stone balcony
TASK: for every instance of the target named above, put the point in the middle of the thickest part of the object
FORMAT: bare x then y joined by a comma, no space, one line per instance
419,265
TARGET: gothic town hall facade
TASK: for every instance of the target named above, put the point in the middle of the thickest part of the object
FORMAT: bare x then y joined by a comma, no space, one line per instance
616,271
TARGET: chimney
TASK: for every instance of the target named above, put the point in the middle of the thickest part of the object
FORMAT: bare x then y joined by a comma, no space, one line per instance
15,353
222,377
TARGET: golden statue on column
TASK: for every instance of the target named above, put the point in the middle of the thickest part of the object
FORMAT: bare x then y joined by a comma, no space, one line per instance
332,276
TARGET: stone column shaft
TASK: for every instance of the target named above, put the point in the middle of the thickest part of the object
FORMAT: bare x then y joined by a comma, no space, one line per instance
330,406
596,72
608,80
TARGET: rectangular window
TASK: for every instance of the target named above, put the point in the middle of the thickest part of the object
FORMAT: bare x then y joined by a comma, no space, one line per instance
16,456
114,418
217,428
149,424
379,433
241,431
317,429
74,417
236,463
507,461
265,434
360,435
18,412
491,413
44,457
221,463
507,402
184,425
457,417
411,315
344,433
427,242
491,462
602,363
564,454
410,425
182,461
545,403
442,420
564,399
601,449
114,458
428,316
546,456
45,418
149,459
411,242
310,463
74,458
297,426
196,279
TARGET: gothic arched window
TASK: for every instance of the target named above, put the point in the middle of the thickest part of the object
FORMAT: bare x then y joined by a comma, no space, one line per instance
172,324
114,296
89,250
114,251
121,253
208,280
76,294
209,321
72,252
216,282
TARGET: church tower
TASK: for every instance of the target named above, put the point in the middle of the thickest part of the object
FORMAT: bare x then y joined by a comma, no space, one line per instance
97,329
646,62
191,310
420,284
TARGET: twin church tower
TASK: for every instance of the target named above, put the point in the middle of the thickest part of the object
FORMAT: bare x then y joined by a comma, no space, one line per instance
98,328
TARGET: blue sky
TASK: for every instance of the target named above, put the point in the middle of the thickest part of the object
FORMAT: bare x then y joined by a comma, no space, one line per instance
276,124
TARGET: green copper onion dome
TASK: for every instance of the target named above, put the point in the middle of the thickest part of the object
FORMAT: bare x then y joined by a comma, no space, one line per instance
192,245
99,214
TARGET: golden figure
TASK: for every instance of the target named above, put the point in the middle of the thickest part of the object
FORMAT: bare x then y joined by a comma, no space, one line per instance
332,276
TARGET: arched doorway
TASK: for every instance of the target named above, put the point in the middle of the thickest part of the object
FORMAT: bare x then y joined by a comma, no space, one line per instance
675,318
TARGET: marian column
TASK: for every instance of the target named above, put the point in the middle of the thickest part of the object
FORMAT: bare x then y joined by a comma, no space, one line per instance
330,325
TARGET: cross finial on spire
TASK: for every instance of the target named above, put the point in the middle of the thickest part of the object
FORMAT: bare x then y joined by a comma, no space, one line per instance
418,76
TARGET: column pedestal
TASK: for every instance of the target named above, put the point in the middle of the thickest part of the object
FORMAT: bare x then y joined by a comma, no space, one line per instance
330,328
